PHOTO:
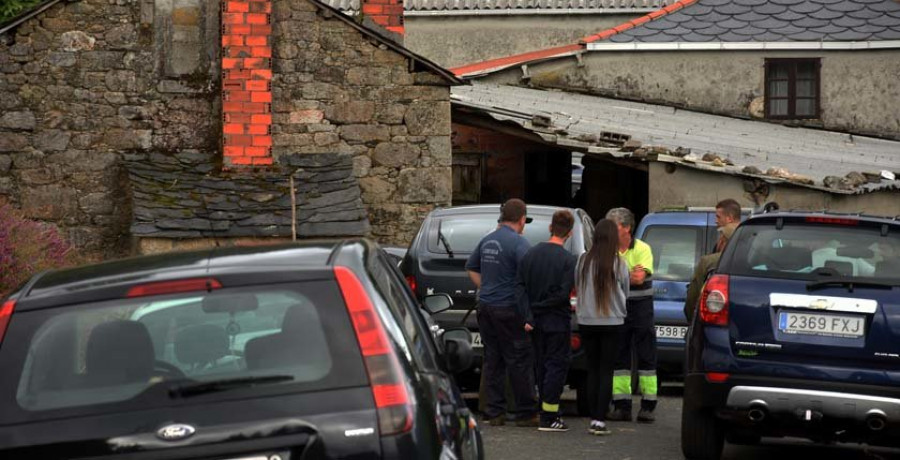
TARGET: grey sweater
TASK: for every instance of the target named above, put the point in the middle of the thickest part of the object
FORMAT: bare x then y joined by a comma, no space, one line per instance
586,307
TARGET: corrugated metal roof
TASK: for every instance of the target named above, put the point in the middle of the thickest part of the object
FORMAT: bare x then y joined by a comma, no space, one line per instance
573,6
771,21
815,154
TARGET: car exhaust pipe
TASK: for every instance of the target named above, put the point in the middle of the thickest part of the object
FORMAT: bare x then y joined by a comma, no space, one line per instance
758,411
876,420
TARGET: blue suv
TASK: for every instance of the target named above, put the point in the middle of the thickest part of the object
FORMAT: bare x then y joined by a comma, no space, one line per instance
797,334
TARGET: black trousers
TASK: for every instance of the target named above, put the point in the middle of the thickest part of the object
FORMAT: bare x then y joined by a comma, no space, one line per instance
552,351
639,336
507,351
601,343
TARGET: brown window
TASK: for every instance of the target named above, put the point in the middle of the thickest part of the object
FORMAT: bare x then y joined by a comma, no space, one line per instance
792,88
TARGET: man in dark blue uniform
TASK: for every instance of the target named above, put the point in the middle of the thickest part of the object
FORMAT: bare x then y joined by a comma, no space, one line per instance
504,333
546,277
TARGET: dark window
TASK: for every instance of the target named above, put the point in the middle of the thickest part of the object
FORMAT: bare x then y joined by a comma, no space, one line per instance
676,250
792,88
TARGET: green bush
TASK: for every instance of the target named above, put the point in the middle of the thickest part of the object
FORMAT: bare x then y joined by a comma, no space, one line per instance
11,8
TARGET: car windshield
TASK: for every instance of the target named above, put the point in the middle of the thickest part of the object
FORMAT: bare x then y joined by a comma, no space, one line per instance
463,233
811,252
675,250
119,350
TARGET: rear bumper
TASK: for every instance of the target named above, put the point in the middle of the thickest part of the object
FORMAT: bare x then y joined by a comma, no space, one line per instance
819,410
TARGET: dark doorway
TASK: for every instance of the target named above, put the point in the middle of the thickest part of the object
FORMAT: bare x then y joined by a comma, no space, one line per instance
607,184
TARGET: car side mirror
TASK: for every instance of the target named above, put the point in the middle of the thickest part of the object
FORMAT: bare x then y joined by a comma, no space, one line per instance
437,303
458,354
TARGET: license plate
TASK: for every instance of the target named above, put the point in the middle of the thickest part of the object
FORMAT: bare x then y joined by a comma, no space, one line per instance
476,340
826,325
671,332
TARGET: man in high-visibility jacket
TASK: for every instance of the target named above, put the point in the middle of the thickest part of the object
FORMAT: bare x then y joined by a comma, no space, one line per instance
638,333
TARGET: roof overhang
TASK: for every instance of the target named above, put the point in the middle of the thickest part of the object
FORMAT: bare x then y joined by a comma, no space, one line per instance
528,12
746,46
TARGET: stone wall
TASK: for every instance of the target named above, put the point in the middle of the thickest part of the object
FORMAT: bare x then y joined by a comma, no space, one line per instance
859,88
86,81
336,90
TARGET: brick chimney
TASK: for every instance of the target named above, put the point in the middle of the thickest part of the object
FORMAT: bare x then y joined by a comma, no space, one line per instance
386,13
246,82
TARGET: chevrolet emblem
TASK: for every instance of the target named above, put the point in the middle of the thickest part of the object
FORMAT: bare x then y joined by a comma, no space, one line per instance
821,304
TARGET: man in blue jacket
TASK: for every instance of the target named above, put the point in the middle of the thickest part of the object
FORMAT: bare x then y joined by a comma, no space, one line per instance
493,267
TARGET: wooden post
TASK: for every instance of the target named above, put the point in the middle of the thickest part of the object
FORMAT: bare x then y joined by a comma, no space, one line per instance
293,210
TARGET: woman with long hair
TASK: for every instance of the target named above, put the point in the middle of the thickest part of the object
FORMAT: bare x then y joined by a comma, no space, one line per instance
601,280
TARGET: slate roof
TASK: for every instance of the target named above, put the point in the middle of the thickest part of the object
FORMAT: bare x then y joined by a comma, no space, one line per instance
590,124
569,6
175,197
771,21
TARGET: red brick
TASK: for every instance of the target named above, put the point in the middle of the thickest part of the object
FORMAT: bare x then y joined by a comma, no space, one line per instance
237,96
237,7
261,161
241,140
233,85
261,119
237,107
258,29
237,29
242,160
261,7
238,51
255,107
238,74
261,52
258,129
257,85
369,9
397,29
260,74
241,118
257,18
232,40
233,128
254,40
234,18
262,141
256,151
256,63
261,96
233,151
230,63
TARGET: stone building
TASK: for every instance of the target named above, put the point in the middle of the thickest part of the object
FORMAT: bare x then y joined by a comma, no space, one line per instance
148,125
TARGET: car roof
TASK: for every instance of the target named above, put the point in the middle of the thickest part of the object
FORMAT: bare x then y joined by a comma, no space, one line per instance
495,209
698,218
162,267
773,215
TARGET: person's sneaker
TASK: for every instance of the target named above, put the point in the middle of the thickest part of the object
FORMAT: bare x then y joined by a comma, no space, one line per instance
598,428
531,421
646,416
499,420
619,415
556,424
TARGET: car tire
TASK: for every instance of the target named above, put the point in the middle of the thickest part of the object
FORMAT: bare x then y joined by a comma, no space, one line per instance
702,436
581,399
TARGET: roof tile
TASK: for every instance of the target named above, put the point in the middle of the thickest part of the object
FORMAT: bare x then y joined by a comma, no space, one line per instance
695,37
809,22
885,6
827,29
889,34
732,9
850,35
770,23
748,31
843,7
847,21
826,14
713,30
805,36
770,9
732,23
750,2
788,15
806,7
751,16
864,14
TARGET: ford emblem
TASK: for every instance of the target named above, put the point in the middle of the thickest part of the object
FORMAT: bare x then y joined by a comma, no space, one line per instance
175,432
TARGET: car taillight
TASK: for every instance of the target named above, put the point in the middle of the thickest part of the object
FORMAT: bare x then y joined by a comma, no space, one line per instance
6,311
411,281
714,301
173,287
831,220
392,399
717,377
575,341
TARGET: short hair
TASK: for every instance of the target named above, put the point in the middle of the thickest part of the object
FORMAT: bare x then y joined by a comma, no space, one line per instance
621,216
731,208
562,223
512,210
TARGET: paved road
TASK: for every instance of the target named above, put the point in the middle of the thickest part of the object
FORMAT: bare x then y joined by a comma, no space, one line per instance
638,441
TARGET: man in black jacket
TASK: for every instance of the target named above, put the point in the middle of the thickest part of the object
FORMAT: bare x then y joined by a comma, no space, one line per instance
545,279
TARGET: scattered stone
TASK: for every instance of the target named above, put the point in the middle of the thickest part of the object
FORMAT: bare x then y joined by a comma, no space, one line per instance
855,179
631,145
76,40
837,183
589,138
718,162
888,175
711,157
681,152
639,153
691,158
22,121
751,170
872,177
778,172
542,120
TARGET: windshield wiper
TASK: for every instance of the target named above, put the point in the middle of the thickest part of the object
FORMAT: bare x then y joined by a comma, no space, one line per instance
194,389
443,240
848,282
